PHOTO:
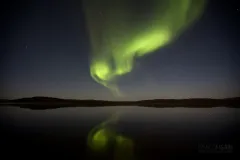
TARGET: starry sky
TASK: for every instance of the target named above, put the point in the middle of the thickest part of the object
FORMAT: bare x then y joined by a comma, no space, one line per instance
45,52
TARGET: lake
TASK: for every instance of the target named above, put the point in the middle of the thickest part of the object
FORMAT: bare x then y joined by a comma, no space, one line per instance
156,132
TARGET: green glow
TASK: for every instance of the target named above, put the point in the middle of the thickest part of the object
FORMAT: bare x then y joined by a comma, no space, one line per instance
118,35
100,137
124,148
124,142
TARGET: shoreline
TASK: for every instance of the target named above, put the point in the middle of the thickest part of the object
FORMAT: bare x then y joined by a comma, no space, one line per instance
51,103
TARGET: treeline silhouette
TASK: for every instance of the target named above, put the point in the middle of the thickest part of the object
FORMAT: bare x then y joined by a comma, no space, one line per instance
51,102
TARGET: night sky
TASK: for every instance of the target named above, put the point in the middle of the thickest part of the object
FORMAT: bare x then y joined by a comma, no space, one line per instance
45,52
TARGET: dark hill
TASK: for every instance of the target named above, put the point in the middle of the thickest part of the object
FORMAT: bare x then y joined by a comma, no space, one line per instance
50,103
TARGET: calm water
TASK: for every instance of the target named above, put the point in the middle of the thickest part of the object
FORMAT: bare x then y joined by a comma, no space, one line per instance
136,119
150,125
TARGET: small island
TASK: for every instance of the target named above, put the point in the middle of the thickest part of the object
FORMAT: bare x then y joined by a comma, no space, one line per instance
39,103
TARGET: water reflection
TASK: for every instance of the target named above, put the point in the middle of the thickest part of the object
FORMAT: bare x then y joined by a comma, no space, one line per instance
134,118
104,139
146,130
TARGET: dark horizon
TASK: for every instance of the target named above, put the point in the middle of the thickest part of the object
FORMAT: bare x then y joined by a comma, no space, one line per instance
46,51
40,97
40,103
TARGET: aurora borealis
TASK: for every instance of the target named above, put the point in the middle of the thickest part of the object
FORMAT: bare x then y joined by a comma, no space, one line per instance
120,33
47,49
153,50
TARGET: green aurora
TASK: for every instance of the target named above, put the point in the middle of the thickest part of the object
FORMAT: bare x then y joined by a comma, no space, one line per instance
120,32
